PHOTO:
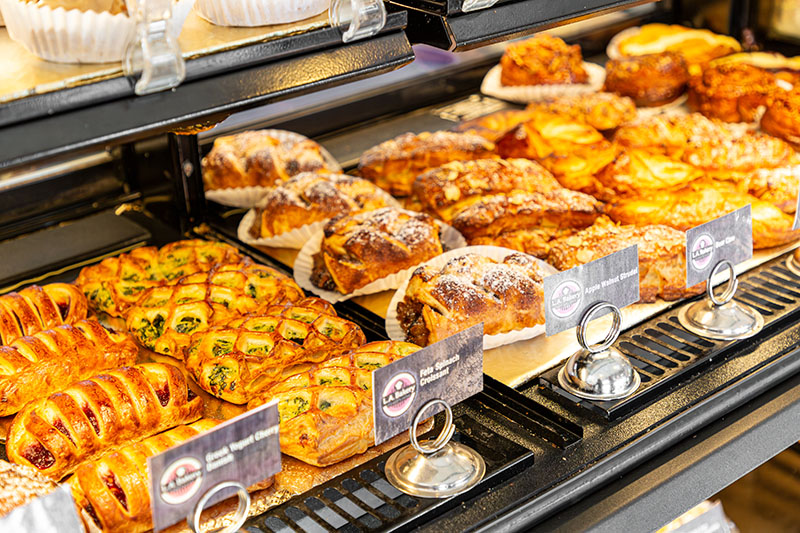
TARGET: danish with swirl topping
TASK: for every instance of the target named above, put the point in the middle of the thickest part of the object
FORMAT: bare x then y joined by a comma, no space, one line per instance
82,422
36,308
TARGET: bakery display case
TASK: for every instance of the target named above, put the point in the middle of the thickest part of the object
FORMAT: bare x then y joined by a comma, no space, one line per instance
98,186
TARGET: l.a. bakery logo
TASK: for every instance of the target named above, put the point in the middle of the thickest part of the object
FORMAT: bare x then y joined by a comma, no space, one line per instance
398,395
702,251
566,298
181,480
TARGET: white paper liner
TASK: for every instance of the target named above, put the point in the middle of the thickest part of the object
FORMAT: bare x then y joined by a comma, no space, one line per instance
258,12
497,253
612,50
76,36
304,264
249,196
523,94
677,106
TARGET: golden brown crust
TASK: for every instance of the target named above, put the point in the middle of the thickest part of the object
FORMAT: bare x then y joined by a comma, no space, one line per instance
732,92
492,126
393,165
748,152
670,134
20,484
542,60
34,366
255,158
504,295
777,186
446,190
311,197
603,111
650,80
637,172
782,118
36,308
57,433
358,249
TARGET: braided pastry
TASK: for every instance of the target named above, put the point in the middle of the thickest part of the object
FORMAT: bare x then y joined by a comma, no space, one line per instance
326,412
234,361
116,283
36,308
92,417
165,317
114,491
34,366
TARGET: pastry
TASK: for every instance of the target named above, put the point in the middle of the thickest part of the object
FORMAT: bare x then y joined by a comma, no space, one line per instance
650,80
259,158
361,248
38,365
740,154
777,186
21,484
542,60
114,490
782,117
309,197
602,111
527,221
236,360
165,317
446,190
492,126
637,172
662,255
116,283
326,413
505,295
732,92
57,433
394,164
36,308
671,134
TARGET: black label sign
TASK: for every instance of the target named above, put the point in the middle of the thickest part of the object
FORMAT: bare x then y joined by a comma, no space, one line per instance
450,370
729,237
52,513
613,278
244,449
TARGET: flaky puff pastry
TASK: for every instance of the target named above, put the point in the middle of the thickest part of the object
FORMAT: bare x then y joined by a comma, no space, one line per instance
505,295
604,111
662,255
449,189
782,117
670,134
36,308
650,80
637,172
542,60
492,126
393,165
732,92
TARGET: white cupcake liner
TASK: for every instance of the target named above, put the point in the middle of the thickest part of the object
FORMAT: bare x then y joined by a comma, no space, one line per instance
258,12
249,196
76,36
523,94
497,253
304,264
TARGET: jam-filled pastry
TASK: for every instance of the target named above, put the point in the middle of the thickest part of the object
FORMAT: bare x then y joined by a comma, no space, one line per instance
650,80
36,308
542,60
57,433
505,295
604,111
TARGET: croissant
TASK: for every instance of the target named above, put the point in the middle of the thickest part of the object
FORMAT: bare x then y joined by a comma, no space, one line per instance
602,111
165,317
234,361
36,308
34,366
116,283
57,433
114,491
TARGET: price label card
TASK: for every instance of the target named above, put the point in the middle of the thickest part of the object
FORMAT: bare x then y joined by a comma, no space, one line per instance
52,513
613,278
729,237
244,449
450,370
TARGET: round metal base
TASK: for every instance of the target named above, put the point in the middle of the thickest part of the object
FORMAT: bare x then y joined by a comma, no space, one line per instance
452,470
792,265
730,321
606,375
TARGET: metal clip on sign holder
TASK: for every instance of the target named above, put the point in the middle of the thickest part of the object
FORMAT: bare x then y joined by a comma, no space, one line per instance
599,371
357,19
241,511
437,469
723,318
154,54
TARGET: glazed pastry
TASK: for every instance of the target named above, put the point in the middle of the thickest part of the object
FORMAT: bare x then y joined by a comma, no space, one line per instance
542,60
650,80
446,190
394,164
32,367
21,484
504,295
662,255
637,172
236,360
359,249
258,158
602,111
782,118
732,92
326,413
114,490
36,308
116,283
309,197
165,317
492,126
527,221
82,422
